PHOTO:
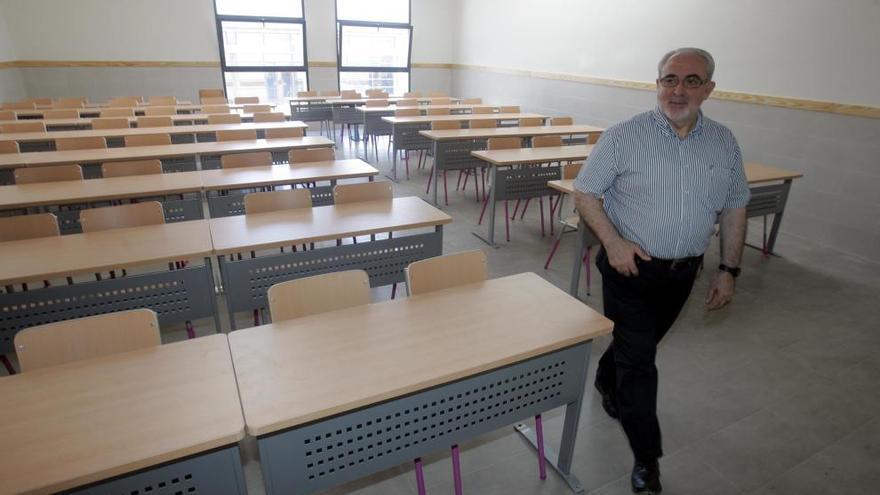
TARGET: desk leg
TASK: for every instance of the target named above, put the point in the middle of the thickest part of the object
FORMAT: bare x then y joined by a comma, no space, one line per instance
435,173
212,287
224,277
394,157
777,217
561,462
578,261
493,186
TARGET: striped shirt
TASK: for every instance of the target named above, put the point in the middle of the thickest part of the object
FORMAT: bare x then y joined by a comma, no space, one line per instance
661,191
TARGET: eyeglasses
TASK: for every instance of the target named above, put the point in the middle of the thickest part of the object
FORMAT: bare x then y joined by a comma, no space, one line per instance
690,82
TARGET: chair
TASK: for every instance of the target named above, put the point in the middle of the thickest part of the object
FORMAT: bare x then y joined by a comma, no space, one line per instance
211,92
407,112
483,124
215,109
502,143
162,101
80,143
91,337
31,126
546,141
412,94
9,147
362,191
482,110
131,167
237,135
440,101
269,117
311,155
570,224
411,102
251,159
442,125
284,133
20,227
443,272
437,111
122,216
20,105
117,112
328,92
350,94
70,113
318,294
284,199
561,121
56,173
214,100
77,102
124,101
153,111
111,123
510,109
7,115
531,122
376,103
305,94
372,92
224,118
241,100
147,140
471,101
41,101
155,121
257,108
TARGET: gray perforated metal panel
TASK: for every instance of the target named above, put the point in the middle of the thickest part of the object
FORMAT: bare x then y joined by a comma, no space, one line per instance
311,112
456,155
213,473
346,115
407,137
527,182
358,443
375,126
177,210
766,200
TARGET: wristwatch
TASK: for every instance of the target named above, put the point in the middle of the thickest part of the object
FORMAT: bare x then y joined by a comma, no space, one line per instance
731,270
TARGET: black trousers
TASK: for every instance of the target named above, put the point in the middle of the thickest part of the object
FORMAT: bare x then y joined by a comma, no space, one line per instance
643,308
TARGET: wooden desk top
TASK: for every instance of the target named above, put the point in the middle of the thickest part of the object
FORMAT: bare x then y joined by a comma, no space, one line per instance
296,371
135,131
427,119
544,130
356,101
505,158
182,117
43,158
424,108
756,173
285,174
81,191
321,223
90,420
57,257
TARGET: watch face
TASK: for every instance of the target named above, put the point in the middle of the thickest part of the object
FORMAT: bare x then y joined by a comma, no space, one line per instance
732,271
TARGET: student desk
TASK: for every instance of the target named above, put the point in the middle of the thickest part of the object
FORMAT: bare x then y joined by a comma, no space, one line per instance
452,148
146,421
523,183
140,110
222,205
45,141
247,280
337,396
405,130
180,119
176,295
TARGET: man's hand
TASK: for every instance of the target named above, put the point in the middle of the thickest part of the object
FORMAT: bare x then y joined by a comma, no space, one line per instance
720,291
622,256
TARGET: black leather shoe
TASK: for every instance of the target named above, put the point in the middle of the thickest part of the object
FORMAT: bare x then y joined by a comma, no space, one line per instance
608,403
646,478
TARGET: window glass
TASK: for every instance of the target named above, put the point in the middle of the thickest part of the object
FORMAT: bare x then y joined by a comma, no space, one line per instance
393,83
367,46
260,8
263,44
269,87
373,10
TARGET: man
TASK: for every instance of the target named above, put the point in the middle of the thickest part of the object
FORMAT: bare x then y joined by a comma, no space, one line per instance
666,177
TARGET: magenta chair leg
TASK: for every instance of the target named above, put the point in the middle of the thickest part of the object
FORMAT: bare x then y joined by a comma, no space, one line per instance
506,222
190,330
420,476
456,470
445,191
515,209
476,186
523,214
552,252
430,178
393,291
541,205
7,364
458,183
483,211
539,435
256,317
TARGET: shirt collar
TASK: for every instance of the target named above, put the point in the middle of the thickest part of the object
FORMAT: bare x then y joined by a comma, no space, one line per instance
663,123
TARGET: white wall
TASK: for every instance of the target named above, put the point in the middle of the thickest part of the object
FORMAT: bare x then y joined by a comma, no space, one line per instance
811,49
11,84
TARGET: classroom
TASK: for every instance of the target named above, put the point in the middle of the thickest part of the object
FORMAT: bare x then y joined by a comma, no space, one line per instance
388,247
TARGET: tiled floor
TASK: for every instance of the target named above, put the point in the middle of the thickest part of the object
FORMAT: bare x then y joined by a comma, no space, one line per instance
778,393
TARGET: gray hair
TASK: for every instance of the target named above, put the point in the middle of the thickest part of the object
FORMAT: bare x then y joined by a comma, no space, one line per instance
707,57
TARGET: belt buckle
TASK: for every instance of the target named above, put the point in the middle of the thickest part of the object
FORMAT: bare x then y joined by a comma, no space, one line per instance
677,262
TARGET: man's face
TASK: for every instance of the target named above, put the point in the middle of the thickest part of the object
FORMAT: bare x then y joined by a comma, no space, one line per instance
680,103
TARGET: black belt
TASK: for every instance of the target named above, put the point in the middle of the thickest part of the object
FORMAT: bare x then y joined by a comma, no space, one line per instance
677,263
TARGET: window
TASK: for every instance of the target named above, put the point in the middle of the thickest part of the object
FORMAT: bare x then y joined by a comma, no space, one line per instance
374,40
262,48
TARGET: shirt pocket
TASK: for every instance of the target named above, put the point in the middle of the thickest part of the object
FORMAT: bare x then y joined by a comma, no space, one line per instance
717,189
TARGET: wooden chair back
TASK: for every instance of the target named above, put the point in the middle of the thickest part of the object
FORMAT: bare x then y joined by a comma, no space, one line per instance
56,173
318,294
155,122
209,109
350,94
251,159
509,109
20,105
131,167
241,100
328,92
86,338
7,115
503,143
214,100
284,199
224,118
593,138
440,101
311,155
482,110
372,92
378,102
68,113
412,94
163,101
269,117
117,112
531,122
410,102
483,124
362,191
284,133
237,135
9,147
148,140
444,272
111,123
257,108
77,102
571,170
407,112
471,101
445,125
304,94
124,101
154,111
80,143
561,121
437,111
122,216
41,101
20,227
211,92
546,141
23,126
